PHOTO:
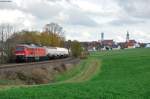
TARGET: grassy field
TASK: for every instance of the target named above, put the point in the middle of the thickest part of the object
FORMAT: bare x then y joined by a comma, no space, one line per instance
123,74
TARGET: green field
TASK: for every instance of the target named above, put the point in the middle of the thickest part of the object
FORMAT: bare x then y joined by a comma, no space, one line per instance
123,74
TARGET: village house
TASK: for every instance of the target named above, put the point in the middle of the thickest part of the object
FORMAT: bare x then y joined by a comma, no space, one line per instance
93,46
132,44
142,45
147,45
90,46
107,44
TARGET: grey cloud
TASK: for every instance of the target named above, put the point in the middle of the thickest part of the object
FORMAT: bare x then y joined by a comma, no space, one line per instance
41,10
58,0
121,22
136,8
44,11
8,5
136,12
48,11
80,18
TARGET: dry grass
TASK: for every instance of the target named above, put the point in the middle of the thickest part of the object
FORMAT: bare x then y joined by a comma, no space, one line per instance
41,76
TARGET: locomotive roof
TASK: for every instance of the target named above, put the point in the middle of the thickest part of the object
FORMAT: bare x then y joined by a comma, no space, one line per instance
29,46
35,46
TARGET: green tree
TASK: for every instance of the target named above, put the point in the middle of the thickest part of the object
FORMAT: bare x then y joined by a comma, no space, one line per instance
76,48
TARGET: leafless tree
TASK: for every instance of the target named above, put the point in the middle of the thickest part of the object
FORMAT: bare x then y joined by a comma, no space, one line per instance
53,28
5,31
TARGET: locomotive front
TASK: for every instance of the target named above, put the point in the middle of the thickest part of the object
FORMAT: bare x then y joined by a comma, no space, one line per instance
20,53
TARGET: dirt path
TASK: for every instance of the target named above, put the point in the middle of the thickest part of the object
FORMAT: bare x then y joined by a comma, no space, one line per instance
87,73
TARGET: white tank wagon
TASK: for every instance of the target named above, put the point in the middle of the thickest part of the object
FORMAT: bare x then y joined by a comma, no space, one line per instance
62,52
56,52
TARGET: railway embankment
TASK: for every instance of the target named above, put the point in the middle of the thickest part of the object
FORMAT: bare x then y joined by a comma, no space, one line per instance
35,73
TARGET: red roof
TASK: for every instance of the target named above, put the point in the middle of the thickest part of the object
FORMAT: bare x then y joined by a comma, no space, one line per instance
131,43
107,42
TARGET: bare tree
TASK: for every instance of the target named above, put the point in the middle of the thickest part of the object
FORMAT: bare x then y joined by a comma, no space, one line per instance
1,43
53,28
5,31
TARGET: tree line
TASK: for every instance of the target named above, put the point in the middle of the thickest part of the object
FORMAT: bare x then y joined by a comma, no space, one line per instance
52,35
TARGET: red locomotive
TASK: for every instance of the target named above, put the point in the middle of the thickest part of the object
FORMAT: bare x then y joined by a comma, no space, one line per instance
26,53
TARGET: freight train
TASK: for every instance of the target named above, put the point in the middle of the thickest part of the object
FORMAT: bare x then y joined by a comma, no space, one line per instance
29,53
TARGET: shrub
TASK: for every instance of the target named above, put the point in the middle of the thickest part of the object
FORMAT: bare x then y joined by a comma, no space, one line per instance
11,75
84,55
25,77
35,76
76,49
41,76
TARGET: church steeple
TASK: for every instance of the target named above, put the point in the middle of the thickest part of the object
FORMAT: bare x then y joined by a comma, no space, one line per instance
102,36
127,37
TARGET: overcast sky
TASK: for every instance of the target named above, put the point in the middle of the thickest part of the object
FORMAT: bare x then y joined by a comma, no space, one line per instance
82,20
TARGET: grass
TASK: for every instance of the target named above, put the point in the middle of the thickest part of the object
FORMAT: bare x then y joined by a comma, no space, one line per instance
6,82
124,74
84,71
92,68
71,73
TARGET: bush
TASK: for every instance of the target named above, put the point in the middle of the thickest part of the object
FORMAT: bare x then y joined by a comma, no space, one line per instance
76,49
25,77
41,76
11,75
36,76
84,55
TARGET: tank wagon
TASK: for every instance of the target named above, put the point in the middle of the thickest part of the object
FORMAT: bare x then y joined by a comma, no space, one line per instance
57,52
26,53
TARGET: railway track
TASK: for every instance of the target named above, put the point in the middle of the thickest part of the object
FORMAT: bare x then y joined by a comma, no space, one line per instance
38,63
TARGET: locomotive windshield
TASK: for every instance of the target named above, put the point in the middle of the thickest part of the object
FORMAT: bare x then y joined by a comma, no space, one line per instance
19,48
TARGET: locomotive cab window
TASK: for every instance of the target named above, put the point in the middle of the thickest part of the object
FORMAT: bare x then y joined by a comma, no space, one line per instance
19,48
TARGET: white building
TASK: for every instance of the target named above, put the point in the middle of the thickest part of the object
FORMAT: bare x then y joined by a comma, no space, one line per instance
147,46
137,45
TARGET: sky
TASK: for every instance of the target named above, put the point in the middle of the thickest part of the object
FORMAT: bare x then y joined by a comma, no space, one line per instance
82,20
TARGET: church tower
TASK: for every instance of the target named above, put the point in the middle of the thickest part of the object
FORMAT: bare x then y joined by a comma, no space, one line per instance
127,37
102,37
